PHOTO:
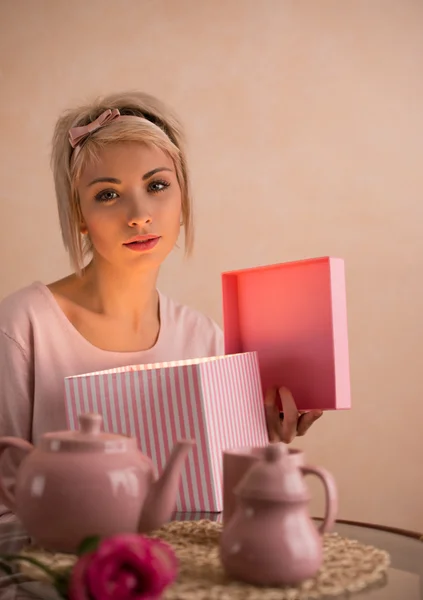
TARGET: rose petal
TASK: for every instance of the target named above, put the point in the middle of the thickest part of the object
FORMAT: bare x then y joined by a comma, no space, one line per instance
125,586
100,574
78,585
103,574
164,562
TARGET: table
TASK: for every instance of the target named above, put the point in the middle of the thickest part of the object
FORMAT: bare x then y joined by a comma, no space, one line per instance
405,577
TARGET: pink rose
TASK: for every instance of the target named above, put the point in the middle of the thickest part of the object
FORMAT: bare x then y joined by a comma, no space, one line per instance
124,567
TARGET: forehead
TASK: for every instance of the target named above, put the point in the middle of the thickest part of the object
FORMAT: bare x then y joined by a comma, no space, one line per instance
126,159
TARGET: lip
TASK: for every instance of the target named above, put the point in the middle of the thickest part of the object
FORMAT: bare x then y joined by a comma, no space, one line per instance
142,243
141,238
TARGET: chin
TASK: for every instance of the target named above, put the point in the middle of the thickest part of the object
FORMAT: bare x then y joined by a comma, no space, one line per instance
146,261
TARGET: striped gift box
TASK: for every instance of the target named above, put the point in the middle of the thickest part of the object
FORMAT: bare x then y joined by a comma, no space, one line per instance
216,401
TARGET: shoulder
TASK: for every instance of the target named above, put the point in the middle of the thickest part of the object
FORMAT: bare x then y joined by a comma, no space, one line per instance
21,304
18,310
191,325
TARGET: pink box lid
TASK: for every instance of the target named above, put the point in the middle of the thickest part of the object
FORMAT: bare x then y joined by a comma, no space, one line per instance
294,315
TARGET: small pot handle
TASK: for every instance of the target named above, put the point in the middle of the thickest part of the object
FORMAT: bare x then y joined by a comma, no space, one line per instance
331,496
5,443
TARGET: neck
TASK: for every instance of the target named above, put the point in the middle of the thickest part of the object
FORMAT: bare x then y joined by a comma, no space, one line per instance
128,295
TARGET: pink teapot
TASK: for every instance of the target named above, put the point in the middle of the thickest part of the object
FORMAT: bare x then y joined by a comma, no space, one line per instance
77,484
270,538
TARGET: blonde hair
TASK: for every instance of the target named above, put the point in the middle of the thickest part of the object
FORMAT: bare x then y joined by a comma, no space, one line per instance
159,127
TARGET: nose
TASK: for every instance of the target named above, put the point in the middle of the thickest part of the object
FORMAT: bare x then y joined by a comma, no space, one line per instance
138,212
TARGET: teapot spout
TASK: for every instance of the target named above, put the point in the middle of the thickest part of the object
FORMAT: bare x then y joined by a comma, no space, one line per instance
161,499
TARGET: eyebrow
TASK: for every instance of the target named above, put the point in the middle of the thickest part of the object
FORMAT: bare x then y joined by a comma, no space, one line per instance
114,180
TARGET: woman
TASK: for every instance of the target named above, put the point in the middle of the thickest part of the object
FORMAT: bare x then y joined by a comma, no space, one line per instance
123,194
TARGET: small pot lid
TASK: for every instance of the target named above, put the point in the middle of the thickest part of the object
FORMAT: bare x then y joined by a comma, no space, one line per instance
274,478
89,438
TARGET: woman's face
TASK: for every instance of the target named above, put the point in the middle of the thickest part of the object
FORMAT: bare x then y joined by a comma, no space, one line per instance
132,190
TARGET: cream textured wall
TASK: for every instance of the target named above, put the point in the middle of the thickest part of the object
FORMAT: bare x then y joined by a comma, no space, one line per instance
305,122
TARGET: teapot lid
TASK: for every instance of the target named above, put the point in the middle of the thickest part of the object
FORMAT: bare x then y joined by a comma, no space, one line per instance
275,478
89,438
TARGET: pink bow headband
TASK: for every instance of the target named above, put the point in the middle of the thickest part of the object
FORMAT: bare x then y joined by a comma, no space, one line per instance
78,134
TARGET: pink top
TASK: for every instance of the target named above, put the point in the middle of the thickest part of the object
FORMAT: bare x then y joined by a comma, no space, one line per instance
39,347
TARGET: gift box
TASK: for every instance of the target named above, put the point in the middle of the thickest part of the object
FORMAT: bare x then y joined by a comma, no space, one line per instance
216,401
294,315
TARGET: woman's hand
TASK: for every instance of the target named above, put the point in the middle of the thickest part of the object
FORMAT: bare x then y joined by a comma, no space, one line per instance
292,423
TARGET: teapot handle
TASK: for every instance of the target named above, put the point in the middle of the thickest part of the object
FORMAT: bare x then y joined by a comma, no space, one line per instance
331,496
6,495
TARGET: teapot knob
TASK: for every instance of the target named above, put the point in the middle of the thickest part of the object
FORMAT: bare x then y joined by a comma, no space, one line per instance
90,423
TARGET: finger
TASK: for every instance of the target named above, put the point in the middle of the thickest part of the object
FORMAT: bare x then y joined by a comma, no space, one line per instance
290,415
272,426
272,415
306,420
270,397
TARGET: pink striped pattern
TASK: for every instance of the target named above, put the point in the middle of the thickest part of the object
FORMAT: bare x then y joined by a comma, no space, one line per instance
218,402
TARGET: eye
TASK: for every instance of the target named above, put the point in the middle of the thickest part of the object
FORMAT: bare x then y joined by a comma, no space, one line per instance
159,185
106,196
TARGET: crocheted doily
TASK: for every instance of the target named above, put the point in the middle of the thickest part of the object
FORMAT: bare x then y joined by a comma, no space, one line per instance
348,567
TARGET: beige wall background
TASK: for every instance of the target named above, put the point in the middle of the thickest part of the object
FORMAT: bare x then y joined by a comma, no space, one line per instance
305,123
